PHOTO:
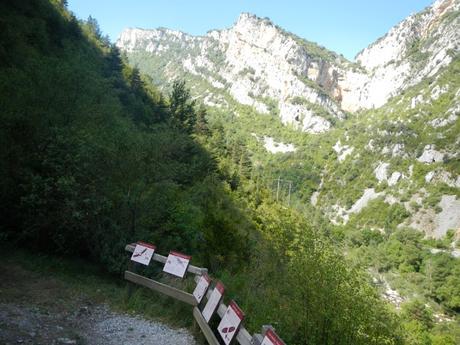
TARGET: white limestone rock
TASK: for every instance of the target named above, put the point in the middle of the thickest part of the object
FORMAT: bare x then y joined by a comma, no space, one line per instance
314,198
277,147
394,178
430,155
381,171
387,59
439,122
391,199
442,176
437,91
303,118
342,151
398,151
416,101
449,217
449,118
370,145
368,195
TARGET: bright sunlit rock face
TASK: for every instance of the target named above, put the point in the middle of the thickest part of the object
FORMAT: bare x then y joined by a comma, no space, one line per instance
256,61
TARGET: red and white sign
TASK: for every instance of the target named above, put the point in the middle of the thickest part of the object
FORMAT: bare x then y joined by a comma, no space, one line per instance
143,253
271,338
213,301
230,322
177,264
201,287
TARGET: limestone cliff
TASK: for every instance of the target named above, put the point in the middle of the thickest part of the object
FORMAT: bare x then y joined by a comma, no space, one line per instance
261,65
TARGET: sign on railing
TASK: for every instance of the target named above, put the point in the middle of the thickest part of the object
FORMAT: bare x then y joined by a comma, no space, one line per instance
229,324
202,287
143,253
213,301
178,264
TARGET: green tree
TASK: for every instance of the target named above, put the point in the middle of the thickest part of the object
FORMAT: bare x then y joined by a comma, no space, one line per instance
182,107
201,124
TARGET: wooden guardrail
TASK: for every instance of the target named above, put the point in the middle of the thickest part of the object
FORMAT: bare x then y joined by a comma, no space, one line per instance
242,336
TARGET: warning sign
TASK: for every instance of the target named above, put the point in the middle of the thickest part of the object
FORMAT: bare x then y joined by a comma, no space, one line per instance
177,264
213,301
201,287
272,339
143,253
230,322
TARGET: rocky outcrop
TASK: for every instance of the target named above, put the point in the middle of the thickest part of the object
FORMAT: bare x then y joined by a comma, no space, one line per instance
437,224
431,155
273,146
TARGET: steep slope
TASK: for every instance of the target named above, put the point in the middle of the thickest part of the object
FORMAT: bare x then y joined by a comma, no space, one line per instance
258,64
402,156
92,156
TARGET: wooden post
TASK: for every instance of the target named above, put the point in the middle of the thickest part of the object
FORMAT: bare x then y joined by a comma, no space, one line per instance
208,334
160,287
133,267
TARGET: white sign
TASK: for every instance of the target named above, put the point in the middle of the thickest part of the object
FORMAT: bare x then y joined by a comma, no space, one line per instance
271,339
177,264
230,322
213,301
201,287
143,253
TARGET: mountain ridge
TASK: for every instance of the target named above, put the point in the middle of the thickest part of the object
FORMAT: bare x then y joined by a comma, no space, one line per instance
298,68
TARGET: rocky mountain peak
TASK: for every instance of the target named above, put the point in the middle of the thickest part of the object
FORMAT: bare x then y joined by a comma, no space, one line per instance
401,40
258,64
245,19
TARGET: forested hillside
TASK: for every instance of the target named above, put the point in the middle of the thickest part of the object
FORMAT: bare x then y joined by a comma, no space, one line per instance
94,156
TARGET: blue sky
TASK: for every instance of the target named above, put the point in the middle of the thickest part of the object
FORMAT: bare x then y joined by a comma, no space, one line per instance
345,26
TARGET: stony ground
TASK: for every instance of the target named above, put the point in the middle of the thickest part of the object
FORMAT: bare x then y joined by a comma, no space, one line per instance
41,310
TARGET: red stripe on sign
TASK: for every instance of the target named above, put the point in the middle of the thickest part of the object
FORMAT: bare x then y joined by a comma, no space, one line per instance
220,287
148,245
274,338
237,310
183,256
206,277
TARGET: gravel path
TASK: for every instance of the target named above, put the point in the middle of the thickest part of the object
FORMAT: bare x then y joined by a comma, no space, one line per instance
95,325
109,328
41,310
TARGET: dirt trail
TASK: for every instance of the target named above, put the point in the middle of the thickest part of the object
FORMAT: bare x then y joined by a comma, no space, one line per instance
42,310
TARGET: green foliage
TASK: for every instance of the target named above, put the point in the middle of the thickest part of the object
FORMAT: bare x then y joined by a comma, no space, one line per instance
416,310
93,155
183,113
297,280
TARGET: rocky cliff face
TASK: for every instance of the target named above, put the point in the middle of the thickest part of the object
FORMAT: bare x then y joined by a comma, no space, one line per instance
260,65
416,48
255,62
